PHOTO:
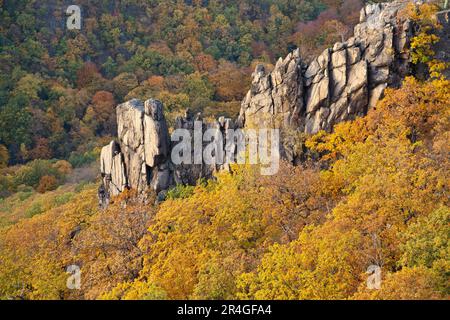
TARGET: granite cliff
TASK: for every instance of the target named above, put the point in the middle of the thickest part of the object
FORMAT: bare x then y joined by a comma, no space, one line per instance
340,84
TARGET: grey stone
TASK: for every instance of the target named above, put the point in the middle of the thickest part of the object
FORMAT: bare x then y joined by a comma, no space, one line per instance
274,97
140,158
340,84
156,134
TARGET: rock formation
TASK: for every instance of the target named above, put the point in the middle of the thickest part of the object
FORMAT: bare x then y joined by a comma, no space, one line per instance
190,173
340,84
442,48
140,159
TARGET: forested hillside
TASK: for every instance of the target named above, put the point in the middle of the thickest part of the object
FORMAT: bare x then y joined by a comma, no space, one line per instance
371,192
305,233
59,87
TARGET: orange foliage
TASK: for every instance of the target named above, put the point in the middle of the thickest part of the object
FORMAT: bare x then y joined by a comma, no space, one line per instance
230,82
47,183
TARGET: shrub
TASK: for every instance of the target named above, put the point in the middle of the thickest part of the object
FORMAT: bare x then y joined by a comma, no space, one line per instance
47,183
35,209
4,156
5,184
25,195
180,192
31,173
64,167
63,199
79,160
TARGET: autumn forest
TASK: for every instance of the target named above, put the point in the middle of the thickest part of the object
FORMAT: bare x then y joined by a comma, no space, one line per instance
372,191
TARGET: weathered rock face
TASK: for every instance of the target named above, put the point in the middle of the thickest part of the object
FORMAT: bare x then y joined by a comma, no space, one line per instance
442,48
140,158
112,168
340,84
279,94
190,173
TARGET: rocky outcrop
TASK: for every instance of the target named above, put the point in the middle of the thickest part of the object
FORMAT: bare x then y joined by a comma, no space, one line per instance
190,173
340,84
140,159
442,46
275,96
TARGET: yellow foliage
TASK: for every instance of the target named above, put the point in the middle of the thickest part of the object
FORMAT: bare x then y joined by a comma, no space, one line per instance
35,252
198,245
379,198
135,291
385,170
321,264
421,45
418,283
